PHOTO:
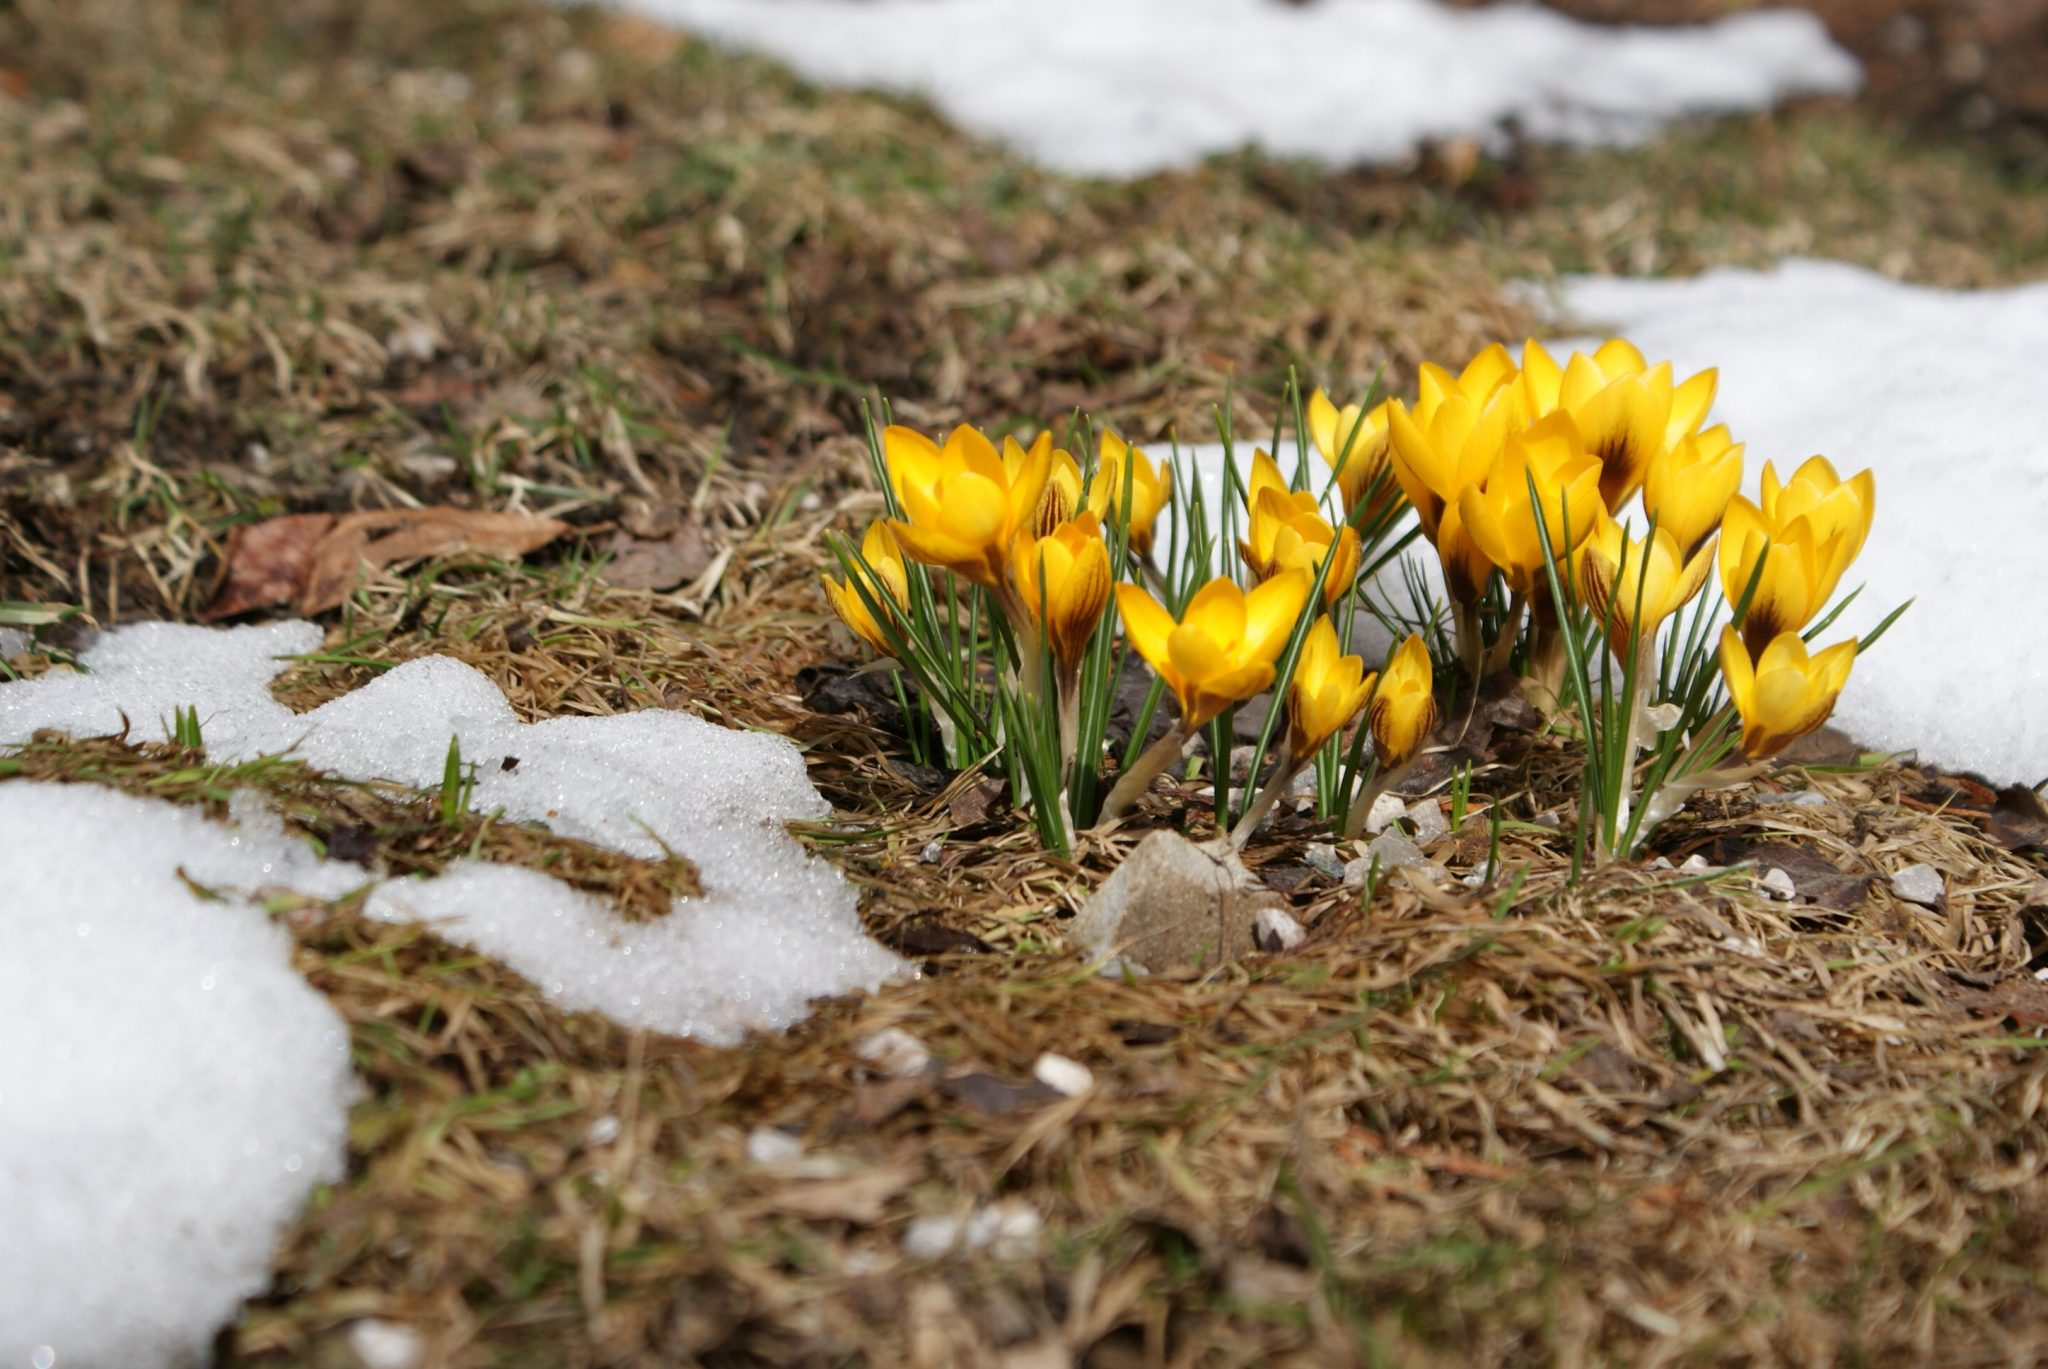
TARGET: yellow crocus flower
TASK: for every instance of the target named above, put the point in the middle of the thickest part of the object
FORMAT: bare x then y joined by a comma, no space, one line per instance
1839,510
1223,649
1449,443
1500,519
1404,705
1151,489
1805,532
1466,566
1328,690
1690,483
1786,693
1629,411
1636,583
888,582
963,503
1286,531
1482,376
1062,497
1364,463
1062,583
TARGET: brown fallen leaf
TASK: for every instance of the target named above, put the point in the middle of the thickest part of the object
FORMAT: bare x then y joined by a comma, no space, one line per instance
389,536
663,564
267,562
1813,875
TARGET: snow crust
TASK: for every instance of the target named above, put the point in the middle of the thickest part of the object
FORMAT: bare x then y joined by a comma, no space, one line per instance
773,930
1136,86
170,1088
1939,393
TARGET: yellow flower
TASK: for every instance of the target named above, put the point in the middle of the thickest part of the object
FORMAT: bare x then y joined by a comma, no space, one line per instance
1483,375
1062,497
1362,467
1839,510
1404,706
1222,650
888,582
1075,567
1787,693
1287,532
1327,691
1637,582
1449,442
1151,489
1805,534
1629,411
963,504
1501,521
1689,485
1466,567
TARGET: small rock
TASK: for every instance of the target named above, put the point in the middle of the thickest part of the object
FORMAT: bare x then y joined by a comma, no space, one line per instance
1174,905
1322,858
1394,850
602,1132
1802,798
1276,930
1660,863
1008,1230
773,1146
1062,1075
13,641
385,1344
895,1051
1120,967
930,854
1694,864
1921,884
1778,885
1384,810
1430,822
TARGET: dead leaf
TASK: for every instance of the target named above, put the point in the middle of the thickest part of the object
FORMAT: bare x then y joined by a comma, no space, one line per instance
985,1093
972,803
2019,820
267,562
672,561
1814,876
861,1198
390,536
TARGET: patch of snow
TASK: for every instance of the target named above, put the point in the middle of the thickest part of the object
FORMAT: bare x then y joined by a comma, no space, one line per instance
1137,86
1936,391
170,1088
773,930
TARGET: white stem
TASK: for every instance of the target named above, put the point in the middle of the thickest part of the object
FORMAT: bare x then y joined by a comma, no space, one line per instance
1285,768
1139,777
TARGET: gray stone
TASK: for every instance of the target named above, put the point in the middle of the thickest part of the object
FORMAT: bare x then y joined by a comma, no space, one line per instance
1322,858
1175,905
1920,884
1430,822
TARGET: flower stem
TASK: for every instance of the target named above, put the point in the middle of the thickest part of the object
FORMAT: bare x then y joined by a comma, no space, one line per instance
1503,653
1361,807
1285,768
1143,771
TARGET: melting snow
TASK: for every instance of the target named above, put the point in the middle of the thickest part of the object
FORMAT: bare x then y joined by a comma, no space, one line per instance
170,1088
1135,86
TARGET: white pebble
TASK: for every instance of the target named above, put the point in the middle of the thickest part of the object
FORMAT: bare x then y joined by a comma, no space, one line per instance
1277,927
1062,1075
1429,821
384,1344
1778,885
1384,810
773,1146
894,1051
1920,884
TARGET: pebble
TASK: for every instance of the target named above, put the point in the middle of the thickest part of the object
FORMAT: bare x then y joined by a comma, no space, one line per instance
1061,1075
1276,929
1778,885
1322,858
1008,1230
895,1051
1921,884
1430,822
1384,810
385,1344
602,1132
773,1146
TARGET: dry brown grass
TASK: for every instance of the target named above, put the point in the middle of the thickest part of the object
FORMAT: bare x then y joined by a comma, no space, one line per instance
1630,1121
